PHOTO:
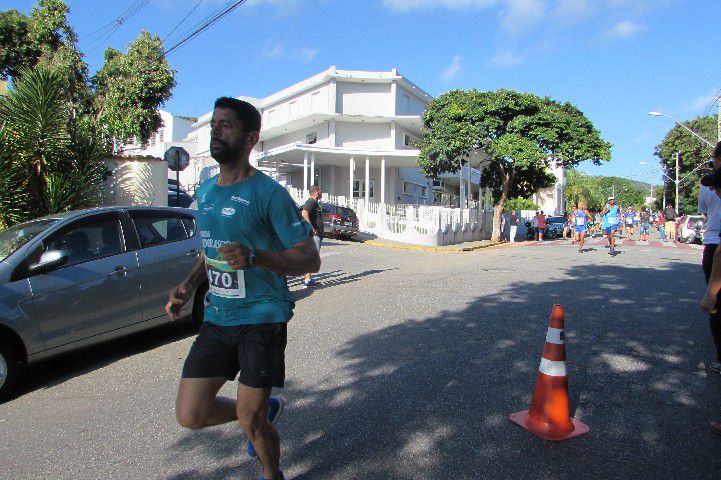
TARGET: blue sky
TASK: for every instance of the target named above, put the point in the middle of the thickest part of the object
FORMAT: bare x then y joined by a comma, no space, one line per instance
614,59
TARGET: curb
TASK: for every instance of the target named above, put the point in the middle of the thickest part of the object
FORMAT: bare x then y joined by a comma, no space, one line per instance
430,249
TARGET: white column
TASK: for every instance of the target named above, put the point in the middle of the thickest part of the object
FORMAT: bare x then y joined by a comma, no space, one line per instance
305,174
461,187
368,180
352,172
469,192
312,168
383,180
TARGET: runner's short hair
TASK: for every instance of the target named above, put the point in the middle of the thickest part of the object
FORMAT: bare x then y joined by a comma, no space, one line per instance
716,151
314,188
247,113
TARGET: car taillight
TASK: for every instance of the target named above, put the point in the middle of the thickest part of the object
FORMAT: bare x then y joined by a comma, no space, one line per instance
334,217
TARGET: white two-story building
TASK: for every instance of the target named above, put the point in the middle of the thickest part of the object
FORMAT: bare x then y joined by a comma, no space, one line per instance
351,132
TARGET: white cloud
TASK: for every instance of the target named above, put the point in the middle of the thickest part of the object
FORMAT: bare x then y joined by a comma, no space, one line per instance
520,15
409,5
627,28
574,9
452,71
701,103
276,50
506,58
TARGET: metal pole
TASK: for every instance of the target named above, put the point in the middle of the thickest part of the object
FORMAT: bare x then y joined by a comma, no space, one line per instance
177,179
678,159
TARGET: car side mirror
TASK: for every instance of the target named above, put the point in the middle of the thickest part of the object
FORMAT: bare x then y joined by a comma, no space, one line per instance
49,260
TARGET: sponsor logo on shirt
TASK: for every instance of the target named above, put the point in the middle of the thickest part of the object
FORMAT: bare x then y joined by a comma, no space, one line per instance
207,208
228,212
240,200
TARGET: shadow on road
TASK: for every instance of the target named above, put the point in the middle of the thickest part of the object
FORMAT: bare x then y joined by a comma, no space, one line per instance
429,398
54,371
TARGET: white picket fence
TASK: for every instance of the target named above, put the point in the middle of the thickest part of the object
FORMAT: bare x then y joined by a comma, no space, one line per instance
416,224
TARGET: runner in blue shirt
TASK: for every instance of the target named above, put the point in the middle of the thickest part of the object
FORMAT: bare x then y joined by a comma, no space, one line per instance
630,220
610,223
580,218
253,236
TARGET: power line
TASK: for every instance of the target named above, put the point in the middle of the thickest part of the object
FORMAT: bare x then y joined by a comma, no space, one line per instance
205,26
102,34
183,20
712,102
207,18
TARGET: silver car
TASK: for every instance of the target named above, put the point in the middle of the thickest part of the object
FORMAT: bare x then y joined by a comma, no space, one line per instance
83,277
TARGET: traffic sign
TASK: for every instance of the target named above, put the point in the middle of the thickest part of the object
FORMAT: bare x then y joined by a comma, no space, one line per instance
178,158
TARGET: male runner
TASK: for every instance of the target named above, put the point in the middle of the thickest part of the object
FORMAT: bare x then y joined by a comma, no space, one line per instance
629,218
581,218
253,235
644,224
610,216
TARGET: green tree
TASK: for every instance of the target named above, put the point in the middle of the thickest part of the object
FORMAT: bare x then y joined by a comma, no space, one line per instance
54,162
130,87
520,203
583,189
16,50
692,153
520,133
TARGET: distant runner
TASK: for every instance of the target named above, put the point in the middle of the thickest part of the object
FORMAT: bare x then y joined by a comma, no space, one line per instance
609,224
581,218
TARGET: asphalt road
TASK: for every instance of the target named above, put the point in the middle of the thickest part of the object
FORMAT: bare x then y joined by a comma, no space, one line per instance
406,365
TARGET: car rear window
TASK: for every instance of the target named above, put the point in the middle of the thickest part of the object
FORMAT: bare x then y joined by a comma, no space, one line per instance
346,211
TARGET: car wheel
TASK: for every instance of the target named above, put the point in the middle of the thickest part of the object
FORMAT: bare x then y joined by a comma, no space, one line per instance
9,370
199,304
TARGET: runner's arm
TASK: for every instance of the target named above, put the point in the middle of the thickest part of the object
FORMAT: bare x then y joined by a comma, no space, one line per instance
714,284
302,258
198,274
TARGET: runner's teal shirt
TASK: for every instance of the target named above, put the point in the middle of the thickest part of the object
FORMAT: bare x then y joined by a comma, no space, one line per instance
259,213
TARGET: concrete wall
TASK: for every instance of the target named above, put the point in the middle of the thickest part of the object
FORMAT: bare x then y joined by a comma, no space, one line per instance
136,182
366,136
315,100
372,99
407,103
322,131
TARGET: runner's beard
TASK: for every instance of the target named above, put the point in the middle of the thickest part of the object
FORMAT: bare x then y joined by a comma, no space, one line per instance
225,153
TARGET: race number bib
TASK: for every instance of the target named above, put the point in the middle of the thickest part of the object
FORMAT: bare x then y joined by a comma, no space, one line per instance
580,221
223,281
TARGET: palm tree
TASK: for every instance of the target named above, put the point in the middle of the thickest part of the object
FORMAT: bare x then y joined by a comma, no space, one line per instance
52,162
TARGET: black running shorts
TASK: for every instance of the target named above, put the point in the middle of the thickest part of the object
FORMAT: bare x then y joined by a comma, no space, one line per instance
256,351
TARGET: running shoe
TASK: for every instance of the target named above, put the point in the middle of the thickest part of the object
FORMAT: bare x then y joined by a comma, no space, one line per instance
310,283
275,410
281,477
716,367
612,251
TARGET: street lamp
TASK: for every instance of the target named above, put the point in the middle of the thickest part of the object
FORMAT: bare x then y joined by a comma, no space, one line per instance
659,114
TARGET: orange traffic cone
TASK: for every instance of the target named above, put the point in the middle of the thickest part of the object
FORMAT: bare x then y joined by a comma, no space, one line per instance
549,416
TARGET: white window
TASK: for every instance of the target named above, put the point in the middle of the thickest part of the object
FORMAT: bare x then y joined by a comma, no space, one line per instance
424,191
406,188
371,184
160,136
357,190
409,140
152,141
311,138
438,184
406,104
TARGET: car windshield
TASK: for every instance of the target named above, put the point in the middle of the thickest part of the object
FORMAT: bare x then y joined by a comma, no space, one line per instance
554,220
345,211
15,237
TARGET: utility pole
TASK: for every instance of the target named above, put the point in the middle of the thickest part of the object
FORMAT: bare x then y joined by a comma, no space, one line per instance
718,119
678,160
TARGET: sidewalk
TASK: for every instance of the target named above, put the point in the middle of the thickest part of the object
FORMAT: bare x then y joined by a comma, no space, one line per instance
459,247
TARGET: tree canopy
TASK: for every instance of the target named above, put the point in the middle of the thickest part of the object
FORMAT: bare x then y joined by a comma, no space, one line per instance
593,191
693,152
519,134
124,94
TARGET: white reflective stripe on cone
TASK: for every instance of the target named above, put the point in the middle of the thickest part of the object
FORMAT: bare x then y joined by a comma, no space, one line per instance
552,368
555,336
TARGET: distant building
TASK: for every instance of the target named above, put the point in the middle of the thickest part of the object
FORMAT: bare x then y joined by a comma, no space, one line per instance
351,132
551,200
171,134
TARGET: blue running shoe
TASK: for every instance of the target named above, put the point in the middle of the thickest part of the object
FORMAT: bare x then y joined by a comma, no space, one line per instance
275,409
281,477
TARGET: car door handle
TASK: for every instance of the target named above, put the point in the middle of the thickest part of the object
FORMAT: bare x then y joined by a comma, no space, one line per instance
192,253
121,271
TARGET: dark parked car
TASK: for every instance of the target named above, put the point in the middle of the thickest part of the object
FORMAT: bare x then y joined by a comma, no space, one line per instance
339,221
83,277
179,199
554,226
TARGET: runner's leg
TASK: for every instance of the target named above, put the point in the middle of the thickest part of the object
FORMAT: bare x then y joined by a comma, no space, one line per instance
197,405
252,413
